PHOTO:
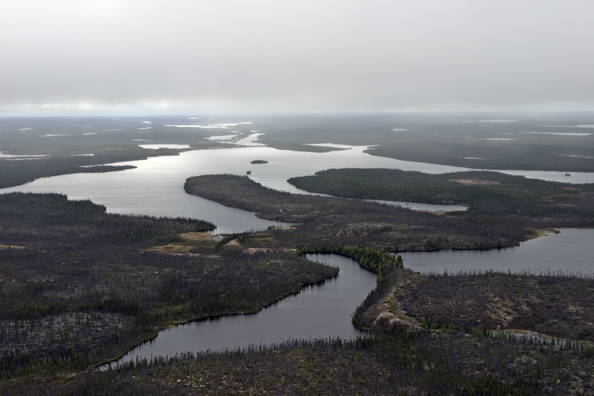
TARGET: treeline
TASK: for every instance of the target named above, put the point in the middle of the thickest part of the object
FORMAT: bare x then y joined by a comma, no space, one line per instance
372,259
394,363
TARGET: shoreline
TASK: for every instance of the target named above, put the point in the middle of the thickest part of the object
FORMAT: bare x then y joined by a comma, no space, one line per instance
201,319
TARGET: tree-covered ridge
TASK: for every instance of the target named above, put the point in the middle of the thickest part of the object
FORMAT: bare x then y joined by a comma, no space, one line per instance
337,221
77,285
461,188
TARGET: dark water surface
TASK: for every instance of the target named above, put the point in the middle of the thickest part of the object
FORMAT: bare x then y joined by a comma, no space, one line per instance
325,310
571,250
319,311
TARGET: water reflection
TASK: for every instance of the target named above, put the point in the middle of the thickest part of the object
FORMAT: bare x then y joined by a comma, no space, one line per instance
317,312
155,187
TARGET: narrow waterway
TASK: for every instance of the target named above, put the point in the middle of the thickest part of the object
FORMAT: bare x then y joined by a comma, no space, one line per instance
319,311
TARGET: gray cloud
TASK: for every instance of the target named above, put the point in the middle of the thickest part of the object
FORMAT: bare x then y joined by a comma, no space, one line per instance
103,57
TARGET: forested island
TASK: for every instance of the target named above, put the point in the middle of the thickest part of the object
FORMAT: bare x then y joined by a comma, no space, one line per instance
335,221
491,197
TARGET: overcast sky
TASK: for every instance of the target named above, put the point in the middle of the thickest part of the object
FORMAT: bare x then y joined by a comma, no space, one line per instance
147,57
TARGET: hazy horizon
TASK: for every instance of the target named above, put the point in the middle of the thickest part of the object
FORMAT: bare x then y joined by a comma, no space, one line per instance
118,58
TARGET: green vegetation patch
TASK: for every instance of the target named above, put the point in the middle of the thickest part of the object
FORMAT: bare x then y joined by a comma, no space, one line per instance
372,259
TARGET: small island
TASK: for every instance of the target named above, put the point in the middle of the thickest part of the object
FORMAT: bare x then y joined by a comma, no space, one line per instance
259,162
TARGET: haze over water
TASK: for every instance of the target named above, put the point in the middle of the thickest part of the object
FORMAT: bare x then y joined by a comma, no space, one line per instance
155,187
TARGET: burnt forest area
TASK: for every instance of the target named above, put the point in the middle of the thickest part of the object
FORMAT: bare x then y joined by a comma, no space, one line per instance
80,287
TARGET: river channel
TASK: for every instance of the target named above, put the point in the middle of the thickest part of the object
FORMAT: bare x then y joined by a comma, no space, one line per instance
324,310
319,311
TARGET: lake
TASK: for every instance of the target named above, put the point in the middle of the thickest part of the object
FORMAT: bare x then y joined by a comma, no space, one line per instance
155,187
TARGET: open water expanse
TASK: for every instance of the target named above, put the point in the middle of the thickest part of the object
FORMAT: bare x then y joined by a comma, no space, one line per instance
155,188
